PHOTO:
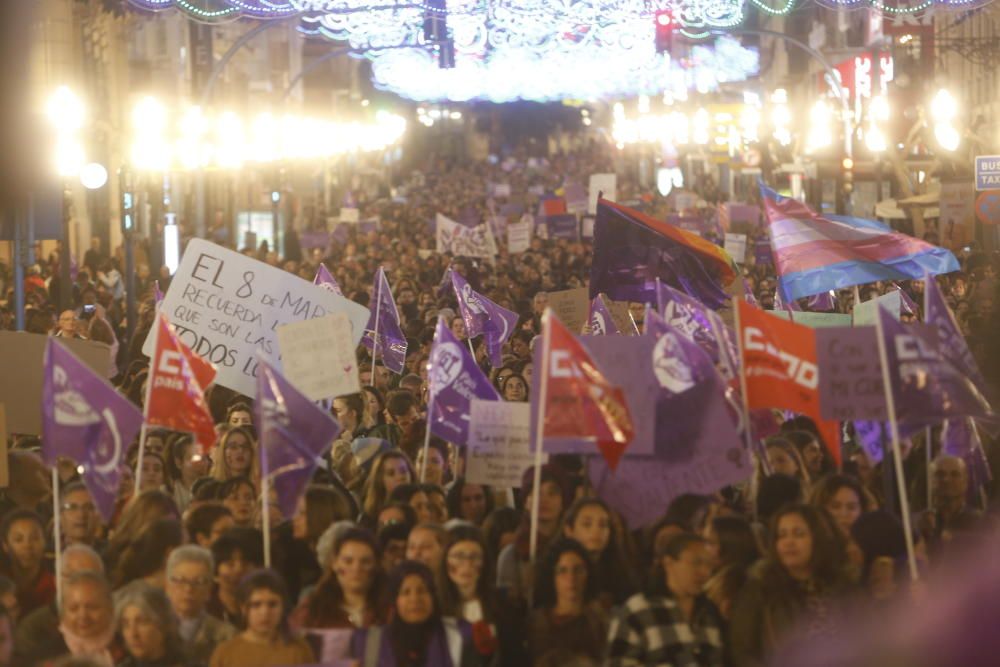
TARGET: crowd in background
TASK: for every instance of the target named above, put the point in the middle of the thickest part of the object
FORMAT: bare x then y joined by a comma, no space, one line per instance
437,572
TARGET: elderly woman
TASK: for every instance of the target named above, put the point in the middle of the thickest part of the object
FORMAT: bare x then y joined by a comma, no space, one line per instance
148,628
86,624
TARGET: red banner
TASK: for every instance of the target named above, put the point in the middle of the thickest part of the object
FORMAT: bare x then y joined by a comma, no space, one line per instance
580,402
177,382
781,370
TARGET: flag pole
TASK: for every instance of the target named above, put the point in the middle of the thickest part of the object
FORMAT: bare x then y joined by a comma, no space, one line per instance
747,425
890,402
57,532
378,309
145,408
539,431
427,432
266,512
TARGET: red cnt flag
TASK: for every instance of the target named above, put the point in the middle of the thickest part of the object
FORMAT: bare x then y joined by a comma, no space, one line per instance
177,382
779,363
579,400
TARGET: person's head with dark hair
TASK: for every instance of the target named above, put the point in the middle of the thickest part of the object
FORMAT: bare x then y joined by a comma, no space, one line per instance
414,496
682,565
468,573
349,411
401,410
514,387
390,469
437,503
414,629
22,536
264,603
205,489
811,451
184,460
805,545
154,472
239,414
9,603
879,534
688,510
803,423
426,543
775,491
146,558
239,495
30,481
731,542
500,527
374,408
411,383
79,520
843,497
437,462
568,561
318,507
469,502
392,544
396,513
236,552
207,522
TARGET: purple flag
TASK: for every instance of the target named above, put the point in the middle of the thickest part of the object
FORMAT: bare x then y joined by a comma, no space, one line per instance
326,280
698,323
385,318
86,420
907,305
927,384
601,322
950,338
294,434
483,317
872,436
455,380
820,303
961,439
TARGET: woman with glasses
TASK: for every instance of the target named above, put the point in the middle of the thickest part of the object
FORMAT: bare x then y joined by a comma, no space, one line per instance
467,588
267,640
236,455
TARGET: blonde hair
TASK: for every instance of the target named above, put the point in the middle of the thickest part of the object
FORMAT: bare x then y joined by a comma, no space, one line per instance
220,469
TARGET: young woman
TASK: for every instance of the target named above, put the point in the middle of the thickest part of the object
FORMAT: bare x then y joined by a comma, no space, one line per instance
23,541
437,463
235,553
793,588
390,469
239,495
732,548
469,502
567,623
185,464
591,523
141,511
148,628
153,472
239,414
415,635
414,496
236,455
267,640
347,594
206,522
467,587
844,499
374,408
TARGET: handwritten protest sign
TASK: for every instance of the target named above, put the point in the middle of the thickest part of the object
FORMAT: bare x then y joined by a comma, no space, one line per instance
462,241
317,356
499,443
850,376
21,356
571,307
864,313
225,306
606,184
736,246
519,236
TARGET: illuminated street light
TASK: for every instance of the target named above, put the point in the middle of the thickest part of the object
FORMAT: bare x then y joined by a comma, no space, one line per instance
65,110
943,106
947,136
820,135
93,176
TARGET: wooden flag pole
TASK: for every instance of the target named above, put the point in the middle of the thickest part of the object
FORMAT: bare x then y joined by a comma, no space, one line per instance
57,532
539,430
747,425
890,402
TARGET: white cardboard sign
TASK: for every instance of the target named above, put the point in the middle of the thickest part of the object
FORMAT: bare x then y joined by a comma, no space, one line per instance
317,356
225,306
736,246
601,183
519,236
499,443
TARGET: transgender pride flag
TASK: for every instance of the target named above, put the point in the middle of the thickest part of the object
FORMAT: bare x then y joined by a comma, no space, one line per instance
815,253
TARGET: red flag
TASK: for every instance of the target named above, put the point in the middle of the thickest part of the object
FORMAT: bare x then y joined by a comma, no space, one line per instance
579,401
779,364
177,381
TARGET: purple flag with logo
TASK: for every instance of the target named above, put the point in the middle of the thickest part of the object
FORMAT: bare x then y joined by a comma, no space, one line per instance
483,317
326,280
601,322
950,338
961,439
385,319
927,384
294,434
455,380
86,420
698,323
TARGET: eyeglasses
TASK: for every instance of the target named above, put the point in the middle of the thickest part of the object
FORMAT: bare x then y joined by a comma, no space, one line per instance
78,507
200,582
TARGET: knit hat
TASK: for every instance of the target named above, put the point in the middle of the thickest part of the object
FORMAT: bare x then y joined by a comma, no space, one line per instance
366,449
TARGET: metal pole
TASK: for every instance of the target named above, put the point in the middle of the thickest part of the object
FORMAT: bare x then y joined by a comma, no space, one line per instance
65,281
128,232
19,255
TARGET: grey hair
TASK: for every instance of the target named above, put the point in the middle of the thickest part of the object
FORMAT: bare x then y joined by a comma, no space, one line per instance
87,577
190,553
326,547
154,604
81,548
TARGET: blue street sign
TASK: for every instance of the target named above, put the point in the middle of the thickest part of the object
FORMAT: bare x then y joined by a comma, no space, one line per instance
987,172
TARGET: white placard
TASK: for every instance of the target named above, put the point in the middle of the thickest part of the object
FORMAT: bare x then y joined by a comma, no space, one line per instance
587,226
317,356
736,246
463,241
499,443
501,189
519,236
350,215
864,313
601,183
225,306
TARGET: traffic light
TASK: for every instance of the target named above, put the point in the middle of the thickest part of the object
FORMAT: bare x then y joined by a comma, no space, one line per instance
665,26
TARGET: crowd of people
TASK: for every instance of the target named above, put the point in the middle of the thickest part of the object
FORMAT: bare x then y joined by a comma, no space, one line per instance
380,567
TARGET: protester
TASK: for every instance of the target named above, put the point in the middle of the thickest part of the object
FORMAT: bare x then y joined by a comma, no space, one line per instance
78,517
148,628
189,587
591,523
469,502
236,552
426,544
467,588
23,538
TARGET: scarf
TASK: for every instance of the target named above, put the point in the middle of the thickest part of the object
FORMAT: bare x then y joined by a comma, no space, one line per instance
95,648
